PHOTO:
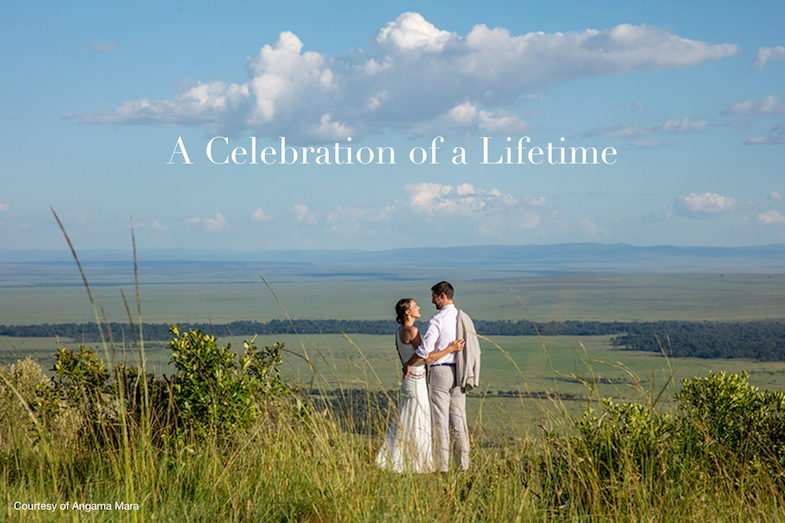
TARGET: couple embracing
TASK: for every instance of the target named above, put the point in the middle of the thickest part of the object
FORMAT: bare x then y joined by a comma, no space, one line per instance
433,402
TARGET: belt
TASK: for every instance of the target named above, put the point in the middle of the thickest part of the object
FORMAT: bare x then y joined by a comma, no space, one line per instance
443,365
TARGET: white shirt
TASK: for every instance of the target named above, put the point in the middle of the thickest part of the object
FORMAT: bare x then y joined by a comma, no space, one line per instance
442,330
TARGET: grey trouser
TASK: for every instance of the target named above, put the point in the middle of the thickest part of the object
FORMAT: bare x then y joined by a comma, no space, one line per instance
448,411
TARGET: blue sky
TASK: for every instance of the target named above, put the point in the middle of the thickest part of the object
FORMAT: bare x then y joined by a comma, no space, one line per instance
95,96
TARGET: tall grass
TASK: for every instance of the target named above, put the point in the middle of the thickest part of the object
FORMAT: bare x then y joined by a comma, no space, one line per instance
615,463
287,467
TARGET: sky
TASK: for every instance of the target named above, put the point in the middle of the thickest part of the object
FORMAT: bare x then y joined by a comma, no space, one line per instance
99,102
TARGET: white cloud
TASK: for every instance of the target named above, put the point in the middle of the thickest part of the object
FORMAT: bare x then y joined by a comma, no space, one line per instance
777,139
411,32
214,224
648,144
771,217
360,215
528,220
703,204
483,211
536,201
97,46
685,126
776,136
302,214
158,226
774,195
259,216
413,74
466,116
628,130
3,207
768,54
436,199
768,106
589,227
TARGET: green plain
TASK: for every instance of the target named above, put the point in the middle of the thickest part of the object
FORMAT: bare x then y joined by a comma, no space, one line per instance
603,297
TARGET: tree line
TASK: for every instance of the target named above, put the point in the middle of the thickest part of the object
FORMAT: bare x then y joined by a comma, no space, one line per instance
89,332
761,340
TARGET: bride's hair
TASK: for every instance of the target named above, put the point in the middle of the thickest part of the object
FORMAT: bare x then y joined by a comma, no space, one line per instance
401,307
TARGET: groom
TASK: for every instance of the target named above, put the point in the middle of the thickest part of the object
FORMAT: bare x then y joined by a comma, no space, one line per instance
446,384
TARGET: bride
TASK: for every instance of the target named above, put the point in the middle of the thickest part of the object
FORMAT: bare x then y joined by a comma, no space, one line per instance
408,445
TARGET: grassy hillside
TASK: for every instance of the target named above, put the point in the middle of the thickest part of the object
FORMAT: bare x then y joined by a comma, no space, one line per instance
620,462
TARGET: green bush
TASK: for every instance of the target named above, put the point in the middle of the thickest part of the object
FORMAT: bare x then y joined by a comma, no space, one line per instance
214,390
723,426
722,413
626,435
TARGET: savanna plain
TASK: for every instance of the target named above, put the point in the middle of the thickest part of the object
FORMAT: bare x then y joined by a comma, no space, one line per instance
564,428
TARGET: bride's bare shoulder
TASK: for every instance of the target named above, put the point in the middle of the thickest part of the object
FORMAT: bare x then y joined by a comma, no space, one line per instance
409,333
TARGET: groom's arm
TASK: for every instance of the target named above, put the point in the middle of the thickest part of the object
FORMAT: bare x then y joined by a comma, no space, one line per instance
426,347
432,355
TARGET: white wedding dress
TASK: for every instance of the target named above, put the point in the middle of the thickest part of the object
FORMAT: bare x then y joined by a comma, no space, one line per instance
408,445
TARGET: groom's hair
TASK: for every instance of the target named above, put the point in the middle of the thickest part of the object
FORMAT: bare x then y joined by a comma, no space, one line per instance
443,287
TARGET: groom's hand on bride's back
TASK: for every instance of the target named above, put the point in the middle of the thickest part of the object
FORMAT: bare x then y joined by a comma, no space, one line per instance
458,345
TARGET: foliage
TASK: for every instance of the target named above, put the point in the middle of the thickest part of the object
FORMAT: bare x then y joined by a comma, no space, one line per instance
628,462
761,340
626,434
216,391
722,412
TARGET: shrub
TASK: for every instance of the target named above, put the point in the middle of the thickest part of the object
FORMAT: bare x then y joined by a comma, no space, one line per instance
626,435
724,413
213,390
19,386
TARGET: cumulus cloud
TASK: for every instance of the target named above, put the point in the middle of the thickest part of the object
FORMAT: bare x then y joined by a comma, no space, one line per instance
214,224
536,201
433,198
648,144
302,214
768,54
259,216
776,136
628,130
774,195
771,217
589,227
413,75
158,226
4,207
363,214
484,211
768,106
489,210
706,204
